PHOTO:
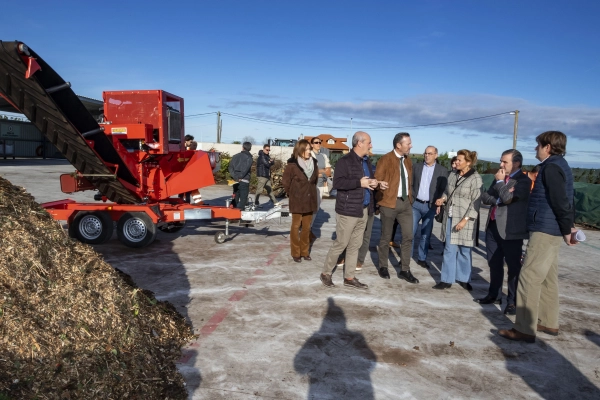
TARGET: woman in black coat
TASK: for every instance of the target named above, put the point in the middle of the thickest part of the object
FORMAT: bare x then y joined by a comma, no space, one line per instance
300,184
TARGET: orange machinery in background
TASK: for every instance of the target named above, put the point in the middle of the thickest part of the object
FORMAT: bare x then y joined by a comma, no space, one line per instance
134,155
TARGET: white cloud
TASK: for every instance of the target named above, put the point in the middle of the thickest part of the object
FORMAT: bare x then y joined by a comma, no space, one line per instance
581,122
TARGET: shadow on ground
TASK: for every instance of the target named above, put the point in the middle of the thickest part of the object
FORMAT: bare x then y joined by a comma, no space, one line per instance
541,367
337,361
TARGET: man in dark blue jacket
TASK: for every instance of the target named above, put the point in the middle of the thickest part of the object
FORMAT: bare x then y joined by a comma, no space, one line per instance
550,218
354,182
263,174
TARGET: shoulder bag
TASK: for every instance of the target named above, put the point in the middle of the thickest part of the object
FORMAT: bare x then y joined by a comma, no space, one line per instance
440,216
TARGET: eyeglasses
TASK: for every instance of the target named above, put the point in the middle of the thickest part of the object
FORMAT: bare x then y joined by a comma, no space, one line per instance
428,154
316,142
267,150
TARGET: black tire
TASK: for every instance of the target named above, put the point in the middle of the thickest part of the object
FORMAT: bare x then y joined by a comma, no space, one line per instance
220,237
172,227
92,227
136,229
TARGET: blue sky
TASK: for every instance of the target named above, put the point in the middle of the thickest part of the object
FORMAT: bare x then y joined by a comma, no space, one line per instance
327,63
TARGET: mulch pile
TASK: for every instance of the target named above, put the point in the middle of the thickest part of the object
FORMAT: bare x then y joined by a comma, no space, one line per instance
71,326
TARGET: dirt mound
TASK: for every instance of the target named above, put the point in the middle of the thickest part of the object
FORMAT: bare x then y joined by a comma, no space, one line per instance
71,326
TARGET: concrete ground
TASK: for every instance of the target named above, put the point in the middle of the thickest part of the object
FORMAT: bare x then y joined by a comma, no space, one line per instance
269,329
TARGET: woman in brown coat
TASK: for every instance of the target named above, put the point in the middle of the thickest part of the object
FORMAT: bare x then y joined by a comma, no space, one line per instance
300,184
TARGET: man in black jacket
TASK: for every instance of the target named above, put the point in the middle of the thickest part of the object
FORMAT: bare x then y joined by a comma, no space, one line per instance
354,182
263,174
239,169
550,218
506,227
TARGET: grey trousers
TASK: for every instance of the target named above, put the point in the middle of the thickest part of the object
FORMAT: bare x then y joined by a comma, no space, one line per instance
404,215
263,183
349,236
364,249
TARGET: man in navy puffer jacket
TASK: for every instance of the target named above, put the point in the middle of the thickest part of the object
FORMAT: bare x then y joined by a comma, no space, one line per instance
550,218
354,182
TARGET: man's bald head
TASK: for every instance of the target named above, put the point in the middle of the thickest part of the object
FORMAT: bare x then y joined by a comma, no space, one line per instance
359,137
361,143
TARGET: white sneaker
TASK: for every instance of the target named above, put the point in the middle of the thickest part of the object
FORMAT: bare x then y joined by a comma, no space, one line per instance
358,267
341,263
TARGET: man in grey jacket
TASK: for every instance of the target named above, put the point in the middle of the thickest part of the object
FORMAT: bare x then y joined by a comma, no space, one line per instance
239,169
506,227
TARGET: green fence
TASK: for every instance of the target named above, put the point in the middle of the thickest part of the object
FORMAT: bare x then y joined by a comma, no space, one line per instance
587,201
587,204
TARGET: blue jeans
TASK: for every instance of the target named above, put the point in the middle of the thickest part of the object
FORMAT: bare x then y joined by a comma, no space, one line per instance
457,260
421,211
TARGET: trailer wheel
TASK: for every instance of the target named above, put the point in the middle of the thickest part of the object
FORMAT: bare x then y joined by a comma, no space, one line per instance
136,229
220,237
91,227
172,227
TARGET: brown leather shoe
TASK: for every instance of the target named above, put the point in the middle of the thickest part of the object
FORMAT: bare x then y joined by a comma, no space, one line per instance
513,334
326,279
549,331
297,259
354,283
307,258
394,244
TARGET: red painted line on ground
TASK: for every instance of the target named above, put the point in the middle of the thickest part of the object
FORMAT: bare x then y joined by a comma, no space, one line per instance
213,323
249,281
237,296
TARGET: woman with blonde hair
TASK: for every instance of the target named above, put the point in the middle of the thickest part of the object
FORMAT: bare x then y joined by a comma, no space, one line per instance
462,199
300,184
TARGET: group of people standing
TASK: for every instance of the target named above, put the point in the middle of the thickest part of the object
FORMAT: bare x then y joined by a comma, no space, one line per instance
542,212
240,167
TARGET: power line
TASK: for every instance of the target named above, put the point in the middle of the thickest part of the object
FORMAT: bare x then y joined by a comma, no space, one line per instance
283,123
443,123
370,128
199,115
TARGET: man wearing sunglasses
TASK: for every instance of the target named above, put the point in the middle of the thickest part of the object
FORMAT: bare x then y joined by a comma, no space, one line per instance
263,175
324,171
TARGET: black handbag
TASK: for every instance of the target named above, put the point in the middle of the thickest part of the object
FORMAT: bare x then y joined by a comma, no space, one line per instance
440,216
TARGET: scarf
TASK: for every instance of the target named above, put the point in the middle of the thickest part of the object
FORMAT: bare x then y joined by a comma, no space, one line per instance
307,165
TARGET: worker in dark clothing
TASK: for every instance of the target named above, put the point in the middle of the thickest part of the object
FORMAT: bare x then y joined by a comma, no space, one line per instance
239,169
263,174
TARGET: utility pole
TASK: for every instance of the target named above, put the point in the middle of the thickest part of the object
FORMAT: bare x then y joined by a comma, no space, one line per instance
516,114
219,126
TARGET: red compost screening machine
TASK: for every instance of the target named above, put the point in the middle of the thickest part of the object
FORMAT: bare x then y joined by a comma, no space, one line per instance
134,155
